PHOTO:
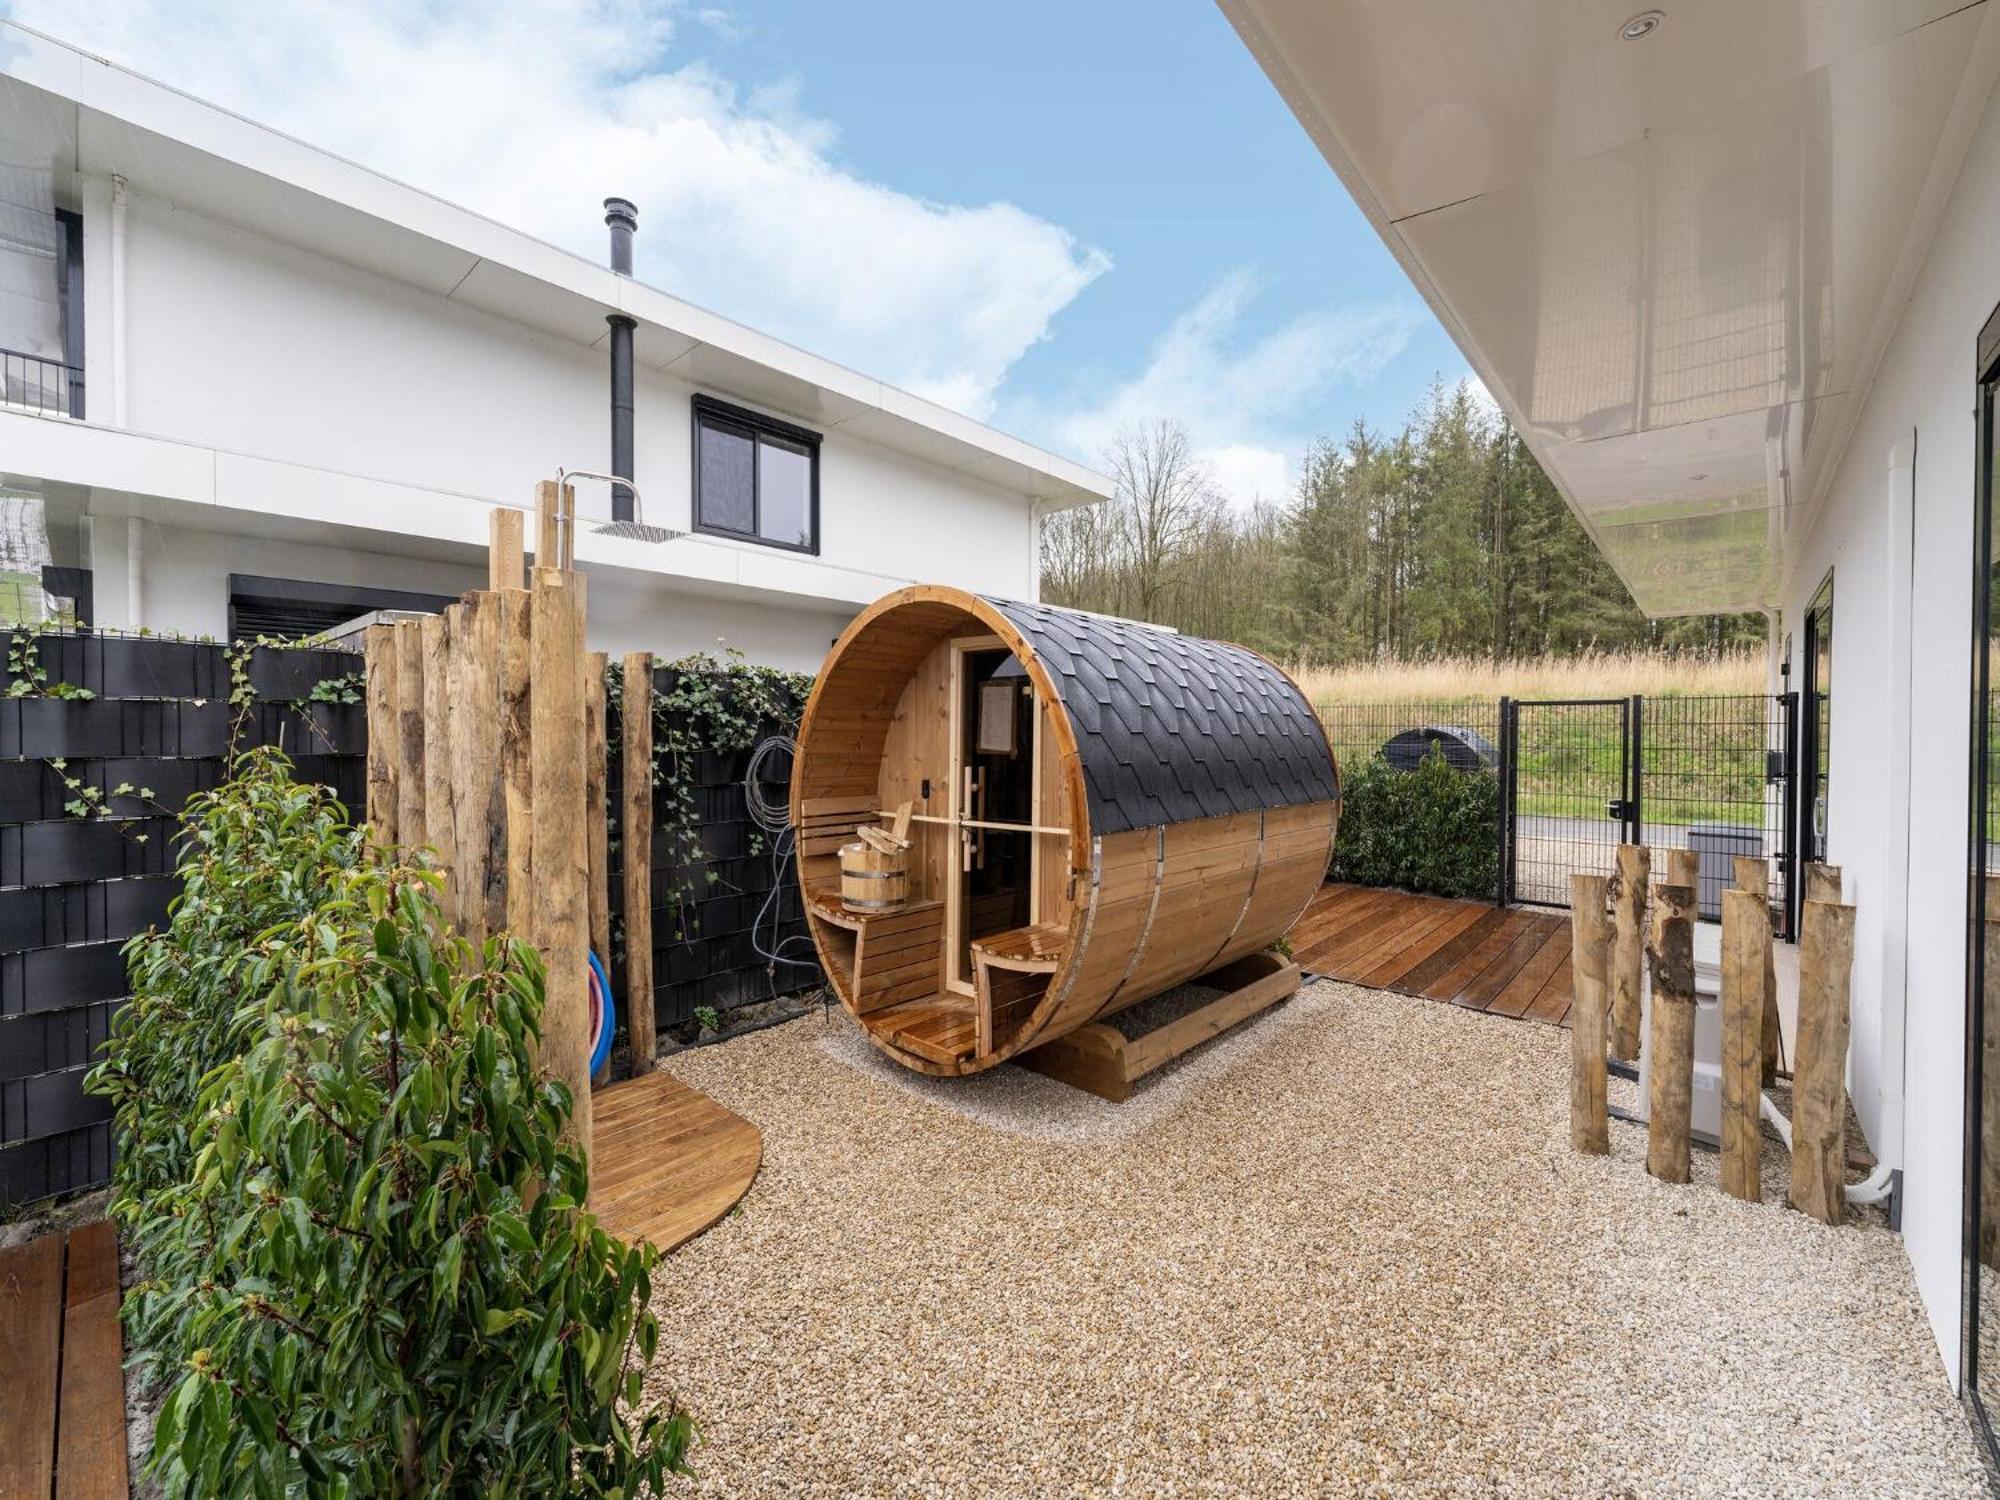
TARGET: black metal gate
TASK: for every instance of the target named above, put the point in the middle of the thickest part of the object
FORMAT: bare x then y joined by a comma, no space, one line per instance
1570,792
1715,774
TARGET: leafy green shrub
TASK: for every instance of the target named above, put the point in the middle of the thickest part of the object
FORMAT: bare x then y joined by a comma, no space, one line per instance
260,852
1432,829
375,1277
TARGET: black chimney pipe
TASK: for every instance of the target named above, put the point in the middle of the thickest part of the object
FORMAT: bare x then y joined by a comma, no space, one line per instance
623,221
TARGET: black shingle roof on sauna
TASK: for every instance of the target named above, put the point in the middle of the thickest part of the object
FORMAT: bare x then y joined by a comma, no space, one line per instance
1171,727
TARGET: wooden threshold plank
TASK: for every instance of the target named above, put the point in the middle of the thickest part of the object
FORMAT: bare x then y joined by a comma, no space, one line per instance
1412,981
90,1460
31,1305
1320,923
1485,987
1418,946
1371,946
1551,1002
1468,967
1345,942
1521,990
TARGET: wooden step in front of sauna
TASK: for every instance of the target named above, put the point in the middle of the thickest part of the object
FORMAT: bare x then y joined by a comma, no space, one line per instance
1100,1059
938,1028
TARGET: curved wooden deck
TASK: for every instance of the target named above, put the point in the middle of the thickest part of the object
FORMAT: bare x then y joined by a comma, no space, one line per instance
666,1160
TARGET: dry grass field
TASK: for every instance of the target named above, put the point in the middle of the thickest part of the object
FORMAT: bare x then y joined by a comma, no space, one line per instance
1593,674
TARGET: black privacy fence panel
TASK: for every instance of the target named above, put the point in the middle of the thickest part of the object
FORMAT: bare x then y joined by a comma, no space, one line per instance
85,866
717,916
1712,773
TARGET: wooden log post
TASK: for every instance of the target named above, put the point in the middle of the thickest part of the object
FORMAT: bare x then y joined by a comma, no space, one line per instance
1819,1075
517,675
506,567
1627,977
637,834
1683,867
385,726
1670,1037
410,825
1746,950
1753,874
1823,883
1590,956
439,771
479,809
597,807
561,858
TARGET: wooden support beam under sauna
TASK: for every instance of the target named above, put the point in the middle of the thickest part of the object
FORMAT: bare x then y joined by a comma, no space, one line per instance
1100,811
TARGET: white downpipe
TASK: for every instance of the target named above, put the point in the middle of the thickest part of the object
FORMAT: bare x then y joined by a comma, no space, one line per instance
1872,1189
1894,891
135,573
1776,1117
118,301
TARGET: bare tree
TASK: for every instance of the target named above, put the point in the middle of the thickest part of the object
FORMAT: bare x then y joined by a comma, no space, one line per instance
1166,498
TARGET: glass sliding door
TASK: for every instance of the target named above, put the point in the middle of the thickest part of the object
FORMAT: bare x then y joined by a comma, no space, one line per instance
1981,1354
994,783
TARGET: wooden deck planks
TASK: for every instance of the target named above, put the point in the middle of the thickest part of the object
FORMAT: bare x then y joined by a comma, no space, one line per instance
90,1459
31,1280
667,1161
1470,953
62,1371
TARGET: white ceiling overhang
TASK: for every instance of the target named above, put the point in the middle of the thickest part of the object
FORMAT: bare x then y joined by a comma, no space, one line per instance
1675,261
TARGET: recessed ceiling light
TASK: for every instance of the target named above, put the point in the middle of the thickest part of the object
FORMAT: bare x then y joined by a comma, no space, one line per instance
1643,24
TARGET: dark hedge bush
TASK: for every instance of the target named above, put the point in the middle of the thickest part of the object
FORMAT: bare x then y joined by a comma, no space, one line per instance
1432,829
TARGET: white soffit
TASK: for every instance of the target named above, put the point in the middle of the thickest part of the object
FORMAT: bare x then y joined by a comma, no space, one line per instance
1675,261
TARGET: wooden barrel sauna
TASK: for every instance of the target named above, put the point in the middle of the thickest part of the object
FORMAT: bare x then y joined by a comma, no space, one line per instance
1100,811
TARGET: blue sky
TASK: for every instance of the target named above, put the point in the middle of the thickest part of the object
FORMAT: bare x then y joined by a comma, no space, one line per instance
1061,218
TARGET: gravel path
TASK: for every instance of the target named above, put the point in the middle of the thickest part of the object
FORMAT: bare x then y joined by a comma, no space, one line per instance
1344,1251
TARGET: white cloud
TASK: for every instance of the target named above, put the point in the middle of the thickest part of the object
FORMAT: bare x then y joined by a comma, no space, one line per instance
532,110
1250,404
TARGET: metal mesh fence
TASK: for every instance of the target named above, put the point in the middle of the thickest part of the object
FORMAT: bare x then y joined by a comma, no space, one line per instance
1579,777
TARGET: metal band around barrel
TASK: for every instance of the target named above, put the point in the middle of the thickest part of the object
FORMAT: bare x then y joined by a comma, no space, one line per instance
873,874
1152,910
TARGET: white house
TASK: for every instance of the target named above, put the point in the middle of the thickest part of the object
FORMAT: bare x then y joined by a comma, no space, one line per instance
248,384
1732,270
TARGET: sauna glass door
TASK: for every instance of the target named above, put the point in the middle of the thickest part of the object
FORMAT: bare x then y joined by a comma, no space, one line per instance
995,794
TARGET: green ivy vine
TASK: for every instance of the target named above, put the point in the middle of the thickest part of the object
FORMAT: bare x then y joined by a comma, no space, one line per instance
719,705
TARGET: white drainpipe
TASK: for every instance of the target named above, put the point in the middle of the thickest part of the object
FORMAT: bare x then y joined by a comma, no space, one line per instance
135,573
1899,547
118,301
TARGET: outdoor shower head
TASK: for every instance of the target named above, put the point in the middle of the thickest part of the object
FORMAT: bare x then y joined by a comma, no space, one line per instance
634,530
637,531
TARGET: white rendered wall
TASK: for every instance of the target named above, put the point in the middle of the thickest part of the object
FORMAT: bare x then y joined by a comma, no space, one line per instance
186,573
1911,929
242,344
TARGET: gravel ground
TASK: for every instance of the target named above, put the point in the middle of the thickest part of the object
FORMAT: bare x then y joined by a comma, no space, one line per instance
1345,1250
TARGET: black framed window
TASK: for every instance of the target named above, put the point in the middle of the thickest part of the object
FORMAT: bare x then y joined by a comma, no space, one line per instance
1980,1252
756,478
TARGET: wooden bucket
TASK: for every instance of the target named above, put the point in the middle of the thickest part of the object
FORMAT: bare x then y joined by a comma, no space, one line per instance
871,880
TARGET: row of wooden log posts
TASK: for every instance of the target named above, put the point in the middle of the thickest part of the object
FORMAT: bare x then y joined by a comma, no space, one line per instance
486,742
1609,936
